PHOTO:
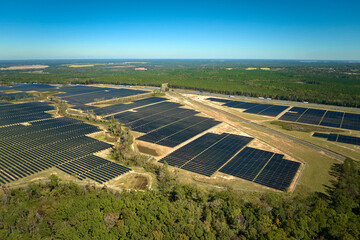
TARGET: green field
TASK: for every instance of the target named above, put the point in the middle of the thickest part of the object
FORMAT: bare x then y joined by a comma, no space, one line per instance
336,83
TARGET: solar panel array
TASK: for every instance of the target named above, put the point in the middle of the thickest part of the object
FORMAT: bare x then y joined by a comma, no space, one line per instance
207,154
165,123
323,118
123,107
255,108
212,152
80,95
209,161
93,167
278,173
55,142
12,96
339,138
178,131
29,87
24,112
248,163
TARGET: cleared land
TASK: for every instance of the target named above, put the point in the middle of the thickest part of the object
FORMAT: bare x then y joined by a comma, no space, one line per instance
165,126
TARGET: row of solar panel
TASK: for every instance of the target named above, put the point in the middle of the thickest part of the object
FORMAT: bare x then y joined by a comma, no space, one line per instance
99,94
255,108
123,107
211,152
75,95
165,122
323,117
28,87
25,150
93,167
17,113
339,138
12,96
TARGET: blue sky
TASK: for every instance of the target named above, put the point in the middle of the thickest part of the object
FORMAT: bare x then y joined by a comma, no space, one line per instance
289,29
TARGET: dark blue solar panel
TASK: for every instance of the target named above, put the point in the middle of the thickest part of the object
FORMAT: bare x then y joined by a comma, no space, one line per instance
332,119
293,114
312,116
320,135
192,149
278,173
208,162
273,111
258,108
351,121
248,163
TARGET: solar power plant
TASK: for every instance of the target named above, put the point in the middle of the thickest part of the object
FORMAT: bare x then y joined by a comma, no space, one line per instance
93,167
103,94
76,90
170,129
320,135
348,139
25,150
151,123
29,87
209,161
24,112
258,108
177,127
278,173
312,116
293,114
146,113
12,96
184,154
273,111
351,121
323,117
339,138
332,119
187,133
248,163
255,108
123,107
84,107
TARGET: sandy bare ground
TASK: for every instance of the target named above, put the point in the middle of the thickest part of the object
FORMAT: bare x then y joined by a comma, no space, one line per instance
25,67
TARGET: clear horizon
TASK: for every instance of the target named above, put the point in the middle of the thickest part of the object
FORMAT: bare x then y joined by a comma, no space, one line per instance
234,30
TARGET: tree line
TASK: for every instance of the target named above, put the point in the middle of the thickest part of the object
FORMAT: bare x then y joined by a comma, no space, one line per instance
56,210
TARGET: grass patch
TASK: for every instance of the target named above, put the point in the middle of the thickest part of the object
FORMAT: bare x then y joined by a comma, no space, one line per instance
303,127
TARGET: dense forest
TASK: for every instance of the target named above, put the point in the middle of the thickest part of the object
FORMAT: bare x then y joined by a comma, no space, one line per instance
56,210
326,82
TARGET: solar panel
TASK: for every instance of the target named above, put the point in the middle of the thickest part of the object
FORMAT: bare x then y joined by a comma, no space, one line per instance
188,133
25,150
351,121
332,119
248,163
192,149
312,116
320,135
273,111
209,161
278,173
339,138
258,108
161,133
123,107
293,114
348,139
